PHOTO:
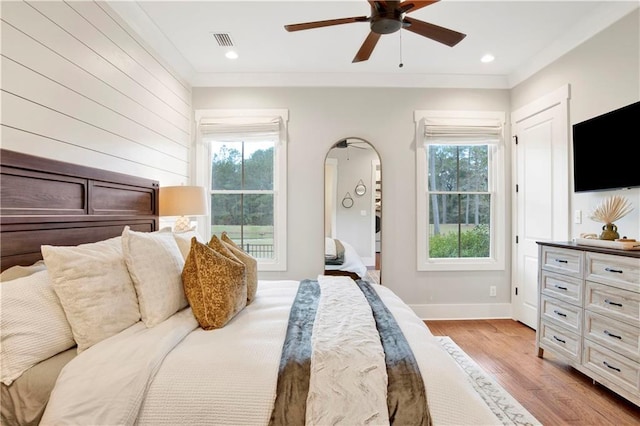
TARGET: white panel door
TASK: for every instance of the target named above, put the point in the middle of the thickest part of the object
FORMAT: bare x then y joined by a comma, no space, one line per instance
542,200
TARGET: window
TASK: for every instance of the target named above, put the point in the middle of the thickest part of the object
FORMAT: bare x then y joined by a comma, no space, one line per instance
460,203
245,172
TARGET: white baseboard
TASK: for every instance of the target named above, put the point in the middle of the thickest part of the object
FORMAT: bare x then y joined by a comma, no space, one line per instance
463,312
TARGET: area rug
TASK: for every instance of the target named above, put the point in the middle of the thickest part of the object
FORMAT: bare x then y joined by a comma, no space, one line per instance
503,405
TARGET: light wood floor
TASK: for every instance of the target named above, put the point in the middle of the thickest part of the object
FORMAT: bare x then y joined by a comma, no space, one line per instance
553,392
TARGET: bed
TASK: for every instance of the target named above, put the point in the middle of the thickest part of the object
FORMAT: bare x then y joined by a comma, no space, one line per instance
342,259
278,359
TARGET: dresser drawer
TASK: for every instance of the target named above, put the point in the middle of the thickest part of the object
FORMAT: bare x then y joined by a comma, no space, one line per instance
615,335
560,341
563,287
563,261
562,313
618,271
613,302
617,369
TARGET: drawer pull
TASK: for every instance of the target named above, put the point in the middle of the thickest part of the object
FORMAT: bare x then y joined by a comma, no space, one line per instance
617,271
612,335
559,339
561,260
560,313
611,366
559,287
609,302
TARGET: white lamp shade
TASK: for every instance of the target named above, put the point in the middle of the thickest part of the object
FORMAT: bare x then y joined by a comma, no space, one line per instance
183,201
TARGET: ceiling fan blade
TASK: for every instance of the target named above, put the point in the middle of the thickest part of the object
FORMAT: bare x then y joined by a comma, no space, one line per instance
411,6
367,47
329,22
434,32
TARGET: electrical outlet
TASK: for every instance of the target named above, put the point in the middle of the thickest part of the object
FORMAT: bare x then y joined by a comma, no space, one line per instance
492,291
577,216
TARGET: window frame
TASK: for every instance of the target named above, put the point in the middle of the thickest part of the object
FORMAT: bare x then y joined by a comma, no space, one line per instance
202,162
497,173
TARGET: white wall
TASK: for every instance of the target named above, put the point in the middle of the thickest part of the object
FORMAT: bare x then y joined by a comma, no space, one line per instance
79,86
604,74
319,117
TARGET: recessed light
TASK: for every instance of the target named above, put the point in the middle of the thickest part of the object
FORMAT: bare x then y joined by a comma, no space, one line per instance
231,54
487,58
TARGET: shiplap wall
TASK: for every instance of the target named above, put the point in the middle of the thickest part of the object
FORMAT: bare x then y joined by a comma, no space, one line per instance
79,86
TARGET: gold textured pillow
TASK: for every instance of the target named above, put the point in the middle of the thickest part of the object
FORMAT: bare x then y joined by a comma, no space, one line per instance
214,284
249,261
216,245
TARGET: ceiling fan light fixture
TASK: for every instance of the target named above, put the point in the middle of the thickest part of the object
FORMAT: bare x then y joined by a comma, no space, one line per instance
385,25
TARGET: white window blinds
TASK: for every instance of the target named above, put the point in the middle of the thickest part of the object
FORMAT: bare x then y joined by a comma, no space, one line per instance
462,130
232,128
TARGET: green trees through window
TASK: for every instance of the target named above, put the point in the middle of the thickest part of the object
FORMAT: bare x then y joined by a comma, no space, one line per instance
460,201
242,195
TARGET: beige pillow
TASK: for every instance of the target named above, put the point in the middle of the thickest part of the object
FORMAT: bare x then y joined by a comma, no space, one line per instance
155,265
34,326
215,285
184,241
249,261
94,288
21,271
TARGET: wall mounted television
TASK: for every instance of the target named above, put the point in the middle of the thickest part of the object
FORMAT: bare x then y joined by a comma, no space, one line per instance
604,150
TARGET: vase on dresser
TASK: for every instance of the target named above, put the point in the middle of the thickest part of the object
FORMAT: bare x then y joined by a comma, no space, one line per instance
609,232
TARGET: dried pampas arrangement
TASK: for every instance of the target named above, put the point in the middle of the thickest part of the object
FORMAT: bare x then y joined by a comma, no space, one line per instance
611,209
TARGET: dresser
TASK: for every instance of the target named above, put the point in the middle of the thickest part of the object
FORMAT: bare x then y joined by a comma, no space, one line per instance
589,312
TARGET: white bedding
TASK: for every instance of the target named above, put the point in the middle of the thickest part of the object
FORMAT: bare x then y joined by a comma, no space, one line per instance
228,376
340,325
352,262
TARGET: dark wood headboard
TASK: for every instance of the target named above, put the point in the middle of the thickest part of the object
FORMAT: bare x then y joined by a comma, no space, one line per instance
44,201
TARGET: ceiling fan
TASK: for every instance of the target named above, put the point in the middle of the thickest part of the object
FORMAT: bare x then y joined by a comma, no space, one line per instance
345,144
388,17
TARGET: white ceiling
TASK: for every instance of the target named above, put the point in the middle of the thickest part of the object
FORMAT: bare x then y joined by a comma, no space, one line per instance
523,36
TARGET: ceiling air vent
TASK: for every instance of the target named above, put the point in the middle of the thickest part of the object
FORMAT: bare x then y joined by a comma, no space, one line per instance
223,39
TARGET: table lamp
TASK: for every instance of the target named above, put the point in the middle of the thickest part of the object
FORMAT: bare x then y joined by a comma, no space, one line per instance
183,201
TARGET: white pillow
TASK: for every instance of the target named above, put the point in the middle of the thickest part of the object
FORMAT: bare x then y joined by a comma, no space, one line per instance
33,325
184,241
94,287
330,247
155,264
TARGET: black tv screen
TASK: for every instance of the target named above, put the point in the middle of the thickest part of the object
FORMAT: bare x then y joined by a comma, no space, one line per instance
604,151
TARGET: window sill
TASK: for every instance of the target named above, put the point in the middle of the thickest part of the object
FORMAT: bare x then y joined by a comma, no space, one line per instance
461,265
